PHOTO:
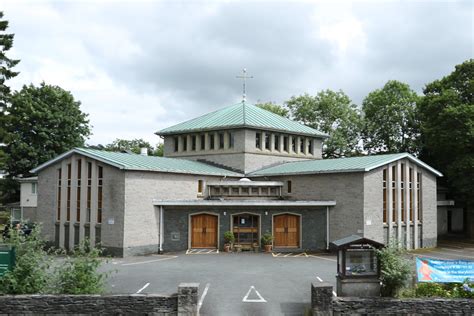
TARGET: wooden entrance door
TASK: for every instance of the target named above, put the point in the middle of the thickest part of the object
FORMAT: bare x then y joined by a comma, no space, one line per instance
286,231
204,231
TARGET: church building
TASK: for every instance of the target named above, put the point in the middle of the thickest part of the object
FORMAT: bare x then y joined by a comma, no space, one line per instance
240,169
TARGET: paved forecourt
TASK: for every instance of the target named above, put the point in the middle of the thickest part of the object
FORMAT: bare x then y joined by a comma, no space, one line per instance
230,283
449,250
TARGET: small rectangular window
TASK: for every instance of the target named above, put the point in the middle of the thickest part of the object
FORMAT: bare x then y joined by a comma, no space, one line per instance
33,188
176,143
200,186
211,141
203,142
276,142
193,142
231,140
285,143
185,143
258,140
288,186
221,140
267,141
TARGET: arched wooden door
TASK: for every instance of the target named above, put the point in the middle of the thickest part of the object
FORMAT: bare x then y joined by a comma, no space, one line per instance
286,231
204,231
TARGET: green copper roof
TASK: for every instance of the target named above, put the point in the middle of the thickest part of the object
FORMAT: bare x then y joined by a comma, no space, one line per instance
238,116
144,163
354,164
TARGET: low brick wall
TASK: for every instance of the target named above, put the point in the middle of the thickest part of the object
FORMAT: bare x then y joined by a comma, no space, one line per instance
182,303
324,303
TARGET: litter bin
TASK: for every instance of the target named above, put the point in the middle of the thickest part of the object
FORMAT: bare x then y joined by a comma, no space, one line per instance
7,258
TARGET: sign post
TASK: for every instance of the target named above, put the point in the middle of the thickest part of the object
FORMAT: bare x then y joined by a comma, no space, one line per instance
7,258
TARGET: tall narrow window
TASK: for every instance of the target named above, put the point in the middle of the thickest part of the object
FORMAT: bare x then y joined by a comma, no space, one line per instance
221,140
100,175
418,195
68,201
212,141
285,143
193,142
89,191
176,143
289,186
200,187
301,145
203,141
58,209
402,183
258,137
185,142
410,187
267,141
293,143
33,188
394,194
310,146
385,196
231,139
276,142
78,191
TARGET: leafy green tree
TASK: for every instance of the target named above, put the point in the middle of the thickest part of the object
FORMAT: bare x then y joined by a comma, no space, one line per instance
134,146
390,123
447,126
42,122
333,113
274,108
394,269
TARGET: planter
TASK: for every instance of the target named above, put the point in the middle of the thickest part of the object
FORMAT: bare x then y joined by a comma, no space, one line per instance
227,248
238,248
268,248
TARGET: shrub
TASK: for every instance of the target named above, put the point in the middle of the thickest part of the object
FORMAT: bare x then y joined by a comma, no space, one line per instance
30,274
229,237
446,290
267,239
395,269
79,274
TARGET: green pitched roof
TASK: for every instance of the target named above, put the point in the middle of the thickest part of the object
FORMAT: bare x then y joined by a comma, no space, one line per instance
241,115
353,164
128,161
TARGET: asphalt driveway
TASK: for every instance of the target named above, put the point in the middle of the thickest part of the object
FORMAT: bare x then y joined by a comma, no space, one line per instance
230,284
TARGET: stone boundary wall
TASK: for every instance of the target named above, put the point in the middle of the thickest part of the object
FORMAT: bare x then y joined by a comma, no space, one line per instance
323,303
183,303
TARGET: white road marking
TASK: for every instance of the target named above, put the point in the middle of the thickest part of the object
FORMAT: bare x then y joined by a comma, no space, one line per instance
456,250
319,279
260,300
334,293
329,259
204,293
149,261
144,287
289,254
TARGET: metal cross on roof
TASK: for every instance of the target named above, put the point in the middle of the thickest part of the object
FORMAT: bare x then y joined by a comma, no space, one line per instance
244,77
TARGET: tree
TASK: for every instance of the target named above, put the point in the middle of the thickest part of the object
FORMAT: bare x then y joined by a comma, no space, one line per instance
390,123
134,146
447,127
274,108
6,72
332,113
42,123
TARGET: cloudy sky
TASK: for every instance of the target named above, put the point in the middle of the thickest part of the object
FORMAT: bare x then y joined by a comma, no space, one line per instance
140,66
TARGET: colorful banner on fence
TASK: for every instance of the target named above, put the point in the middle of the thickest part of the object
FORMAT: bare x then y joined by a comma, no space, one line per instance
444,271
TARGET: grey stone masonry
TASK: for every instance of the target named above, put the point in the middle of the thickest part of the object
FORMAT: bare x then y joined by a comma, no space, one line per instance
188,299
323,303
183,303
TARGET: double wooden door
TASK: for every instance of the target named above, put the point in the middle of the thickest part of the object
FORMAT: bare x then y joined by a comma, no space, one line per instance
204,231
286,231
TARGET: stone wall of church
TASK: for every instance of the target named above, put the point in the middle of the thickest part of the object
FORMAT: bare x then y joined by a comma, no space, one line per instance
141,222
347,189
